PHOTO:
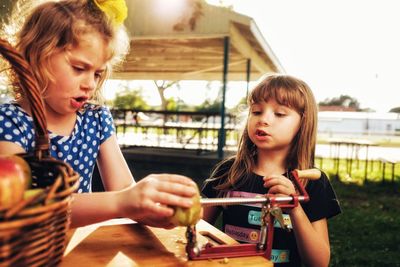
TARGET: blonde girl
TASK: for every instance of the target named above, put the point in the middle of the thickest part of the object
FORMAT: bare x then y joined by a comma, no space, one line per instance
71,46
280,136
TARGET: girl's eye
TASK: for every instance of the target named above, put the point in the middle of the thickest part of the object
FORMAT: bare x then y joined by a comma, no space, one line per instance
255,112
98,75
280,114
78,69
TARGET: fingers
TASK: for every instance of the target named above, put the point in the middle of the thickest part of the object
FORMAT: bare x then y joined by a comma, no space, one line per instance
173,200
279,185
167,190
174,178
161,210
173,184
145,205
170,190
279,190
152,199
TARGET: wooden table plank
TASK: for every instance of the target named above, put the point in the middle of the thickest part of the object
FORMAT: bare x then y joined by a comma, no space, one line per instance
125,243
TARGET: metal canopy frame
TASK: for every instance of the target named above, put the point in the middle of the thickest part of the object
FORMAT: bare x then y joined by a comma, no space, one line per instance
197,42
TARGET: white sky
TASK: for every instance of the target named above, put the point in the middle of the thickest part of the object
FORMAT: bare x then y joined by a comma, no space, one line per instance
338,47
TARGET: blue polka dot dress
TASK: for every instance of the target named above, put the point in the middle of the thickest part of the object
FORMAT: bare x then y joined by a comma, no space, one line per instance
93,126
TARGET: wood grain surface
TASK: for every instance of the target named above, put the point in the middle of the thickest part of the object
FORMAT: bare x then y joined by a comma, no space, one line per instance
124,243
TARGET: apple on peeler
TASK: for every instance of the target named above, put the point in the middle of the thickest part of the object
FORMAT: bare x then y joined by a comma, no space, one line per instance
15,177
188,216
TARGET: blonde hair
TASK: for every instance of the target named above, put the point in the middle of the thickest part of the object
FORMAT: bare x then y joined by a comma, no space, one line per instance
291,92
52,26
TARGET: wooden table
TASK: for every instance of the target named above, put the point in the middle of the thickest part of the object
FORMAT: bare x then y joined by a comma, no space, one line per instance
123,243
352,150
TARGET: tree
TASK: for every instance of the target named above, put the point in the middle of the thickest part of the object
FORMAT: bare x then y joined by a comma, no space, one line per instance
161,87
395,110
209,106
342,101
171,104
130,99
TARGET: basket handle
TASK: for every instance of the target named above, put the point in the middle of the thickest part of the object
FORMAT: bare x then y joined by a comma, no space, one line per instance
28,83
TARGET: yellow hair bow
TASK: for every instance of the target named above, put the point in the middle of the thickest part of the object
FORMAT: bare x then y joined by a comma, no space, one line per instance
115,9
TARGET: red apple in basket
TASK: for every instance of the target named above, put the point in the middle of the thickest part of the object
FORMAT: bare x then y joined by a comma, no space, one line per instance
15,177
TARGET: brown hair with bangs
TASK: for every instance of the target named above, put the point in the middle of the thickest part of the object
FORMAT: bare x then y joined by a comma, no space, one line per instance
55,26
293,93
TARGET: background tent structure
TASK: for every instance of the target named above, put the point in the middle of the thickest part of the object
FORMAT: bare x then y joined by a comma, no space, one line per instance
192,40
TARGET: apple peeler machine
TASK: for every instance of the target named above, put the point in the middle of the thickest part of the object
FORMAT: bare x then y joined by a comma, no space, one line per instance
271,209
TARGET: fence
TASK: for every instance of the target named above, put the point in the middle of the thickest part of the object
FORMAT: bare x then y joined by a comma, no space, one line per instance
174,129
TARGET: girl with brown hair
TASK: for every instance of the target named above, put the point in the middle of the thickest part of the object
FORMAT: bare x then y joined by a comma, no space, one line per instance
280,136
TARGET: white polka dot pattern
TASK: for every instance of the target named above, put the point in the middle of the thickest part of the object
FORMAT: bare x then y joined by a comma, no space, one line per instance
93,126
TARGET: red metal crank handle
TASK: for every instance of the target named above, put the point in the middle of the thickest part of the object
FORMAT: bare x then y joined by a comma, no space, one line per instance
206,202
312,174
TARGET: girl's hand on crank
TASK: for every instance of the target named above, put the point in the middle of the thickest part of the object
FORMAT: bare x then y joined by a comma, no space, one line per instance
279,185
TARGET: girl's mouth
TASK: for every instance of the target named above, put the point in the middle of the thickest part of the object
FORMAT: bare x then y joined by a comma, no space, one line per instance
261,133
78,102
81,98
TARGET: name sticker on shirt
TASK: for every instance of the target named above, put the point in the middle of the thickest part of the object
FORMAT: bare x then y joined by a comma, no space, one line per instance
252,236
254,218
280,256
242,234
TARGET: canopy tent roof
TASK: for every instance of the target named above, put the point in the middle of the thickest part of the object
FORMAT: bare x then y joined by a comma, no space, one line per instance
186,42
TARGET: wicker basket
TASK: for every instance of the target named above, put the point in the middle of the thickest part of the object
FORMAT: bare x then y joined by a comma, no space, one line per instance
33,233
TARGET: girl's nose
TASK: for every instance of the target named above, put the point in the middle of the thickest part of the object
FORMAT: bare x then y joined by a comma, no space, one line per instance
265,119
89,83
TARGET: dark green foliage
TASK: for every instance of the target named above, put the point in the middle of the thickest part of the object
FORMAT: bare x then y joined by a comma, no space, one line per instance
395,110
210,106
129,99
343,101
367,233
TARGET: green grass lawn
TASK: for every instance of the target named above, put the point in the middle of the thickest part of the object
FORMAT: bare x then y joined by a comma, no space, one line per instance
381,140
367,233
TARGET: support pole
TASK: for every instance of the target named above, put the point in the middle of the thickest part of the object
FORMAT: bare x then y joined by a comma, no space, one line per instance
248,71
221,134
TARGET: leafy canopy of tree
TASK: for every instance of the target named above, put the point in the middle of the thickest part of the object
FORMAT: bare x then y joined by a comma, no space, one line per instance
395,110
130,99
342,101
208,105
171,104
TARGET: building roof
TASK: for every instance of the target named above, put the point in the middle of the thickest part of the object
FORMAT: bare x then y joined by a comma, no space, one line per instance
336,108
358,115
187,43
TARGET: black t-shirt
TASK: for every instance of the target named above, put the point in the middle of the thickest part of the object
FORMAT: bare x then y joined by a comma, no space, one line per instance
242,222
